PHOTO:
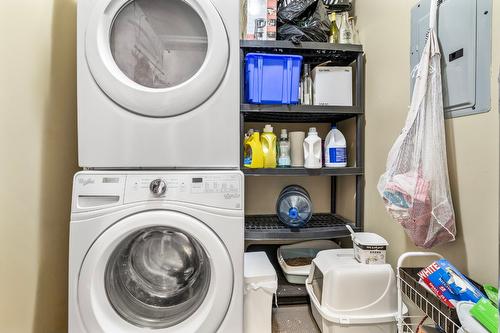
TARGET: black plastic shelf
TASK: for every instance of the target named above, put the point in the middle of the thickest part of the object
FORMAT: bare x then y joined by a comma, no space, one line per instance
297,113
350,171
321,226
338,54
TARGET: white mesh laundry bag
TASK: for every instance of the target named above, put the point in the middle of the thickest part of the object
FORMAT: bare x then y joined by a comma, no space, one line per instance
415,186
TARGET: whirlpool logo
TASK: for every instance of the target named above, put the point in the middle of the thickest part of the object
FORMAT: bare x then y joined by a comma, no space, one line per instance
86,181
229,196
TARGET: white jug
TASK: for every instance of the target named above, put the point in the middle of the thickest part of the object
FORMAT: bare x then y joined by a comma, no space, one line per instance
312,150
335,149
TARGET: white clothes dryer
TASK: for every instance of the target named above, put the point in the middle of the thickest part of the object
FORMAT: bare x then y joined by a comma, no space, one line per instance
156,251
158,84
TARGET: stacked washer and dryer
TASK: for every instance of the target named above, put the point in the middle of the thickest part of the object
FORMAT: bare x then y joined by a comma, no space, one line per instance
157,222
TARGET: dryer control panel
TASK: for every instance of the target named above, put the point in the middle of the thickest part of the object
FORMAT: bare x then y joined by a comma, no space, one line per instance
107,189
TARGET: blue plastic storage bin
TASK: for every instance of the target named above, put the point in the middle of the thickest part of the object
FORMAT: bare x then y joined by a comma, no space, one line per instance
272,78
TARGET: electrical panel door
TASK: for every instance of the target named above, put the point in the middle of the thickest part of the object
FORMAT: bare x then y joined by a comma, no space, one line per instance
464,33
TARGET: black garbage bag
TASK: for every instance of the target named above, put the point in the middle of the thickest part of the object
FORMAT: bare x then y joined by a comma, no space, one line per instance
303,21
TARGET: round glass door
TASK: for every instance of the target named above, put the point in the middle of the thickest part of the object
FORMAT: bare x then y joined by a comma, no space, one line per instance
155,270
158,43
157,58
157,277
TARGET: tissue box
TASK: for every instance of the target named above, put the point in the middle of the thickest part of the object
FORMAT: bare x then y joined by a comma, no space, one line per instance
444,280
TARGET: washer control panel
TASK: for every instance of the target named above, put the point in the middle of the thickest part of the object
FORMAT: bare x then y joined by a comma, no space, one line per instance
211,189
107,189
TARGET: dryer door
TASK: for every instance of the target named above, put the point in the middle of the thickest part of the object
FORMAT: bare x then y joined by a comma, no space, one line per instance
159,270
157,58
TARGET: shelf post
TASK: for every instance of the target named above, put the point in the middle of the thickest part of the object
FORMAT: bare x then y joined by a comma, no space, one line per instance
360,131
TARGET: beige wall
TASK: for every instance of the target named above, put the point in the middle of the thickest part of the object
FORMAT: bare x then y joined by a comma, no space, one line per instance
37,160
472,141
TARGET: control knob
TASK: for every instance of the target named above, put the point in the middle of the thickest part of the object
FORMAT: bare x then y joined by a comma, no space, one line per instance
158,187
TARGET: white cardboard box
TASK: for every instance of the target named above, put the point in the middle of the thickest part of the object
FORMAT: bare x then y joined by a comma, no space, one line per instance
332,85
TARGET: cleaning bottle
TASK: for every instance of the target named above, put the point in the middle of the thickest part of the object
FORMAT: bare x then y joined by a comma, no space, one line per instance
312,150
284,160
253,156
268,141
248,135
335,149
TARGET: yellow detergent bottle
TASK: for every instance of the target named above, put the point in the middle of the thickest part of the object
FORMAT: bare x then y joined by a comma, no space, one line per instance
268,141
253,157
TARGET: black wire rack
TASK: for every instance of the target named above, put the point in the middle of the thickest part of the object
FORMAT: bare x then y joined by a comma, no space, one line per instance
321,226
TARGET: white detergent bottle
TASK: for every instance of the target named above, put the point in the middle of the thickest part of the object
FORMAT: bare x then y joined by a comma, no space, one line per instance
335,149
312,150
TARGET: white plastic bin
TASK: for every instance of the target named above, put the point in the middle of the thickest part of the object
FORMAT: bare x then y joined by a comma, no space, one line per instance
298,273
369,248
261,284
351,297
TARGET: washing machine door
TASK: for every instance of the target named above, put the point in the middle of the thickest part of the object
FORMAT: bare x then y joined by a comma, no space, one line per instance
160,270
157,58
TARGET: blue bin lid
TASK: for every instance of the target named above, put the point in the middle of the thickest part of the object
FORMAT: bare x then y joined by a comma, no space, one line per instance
271,55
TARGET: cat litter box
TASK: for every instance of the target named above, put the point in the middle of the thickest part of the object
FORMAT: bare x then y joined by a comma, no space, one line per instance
351,297
295,259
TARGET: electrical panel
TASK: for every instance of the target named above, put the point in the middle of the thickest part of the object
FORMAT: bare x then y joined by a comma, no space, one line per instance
464,33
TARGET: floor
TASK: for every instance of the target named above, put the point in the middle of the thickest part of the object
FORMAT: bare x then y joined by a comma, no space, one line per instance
294,319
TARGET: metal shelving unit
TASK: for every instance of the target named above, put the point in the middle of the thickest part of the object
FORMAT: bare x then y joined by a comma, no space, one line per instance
322,226
298,113
304,172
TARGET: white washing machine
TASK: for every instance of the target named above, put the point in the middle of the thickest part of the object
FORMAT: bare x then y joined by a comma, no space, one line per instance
158,84
156,251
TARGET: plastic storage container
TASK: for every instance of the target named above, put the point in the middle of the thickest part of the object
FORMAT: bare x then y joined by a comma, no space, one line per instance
261,283
294,206
272,78
369,248
302,253
350,297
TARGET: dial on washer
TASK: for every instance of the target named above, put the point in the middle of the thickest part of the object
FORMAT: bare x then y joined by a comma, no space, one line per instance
158,187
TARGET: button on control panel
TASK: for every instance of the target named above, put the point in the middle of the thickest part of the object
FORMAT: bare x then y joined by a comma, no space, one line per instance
158,187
